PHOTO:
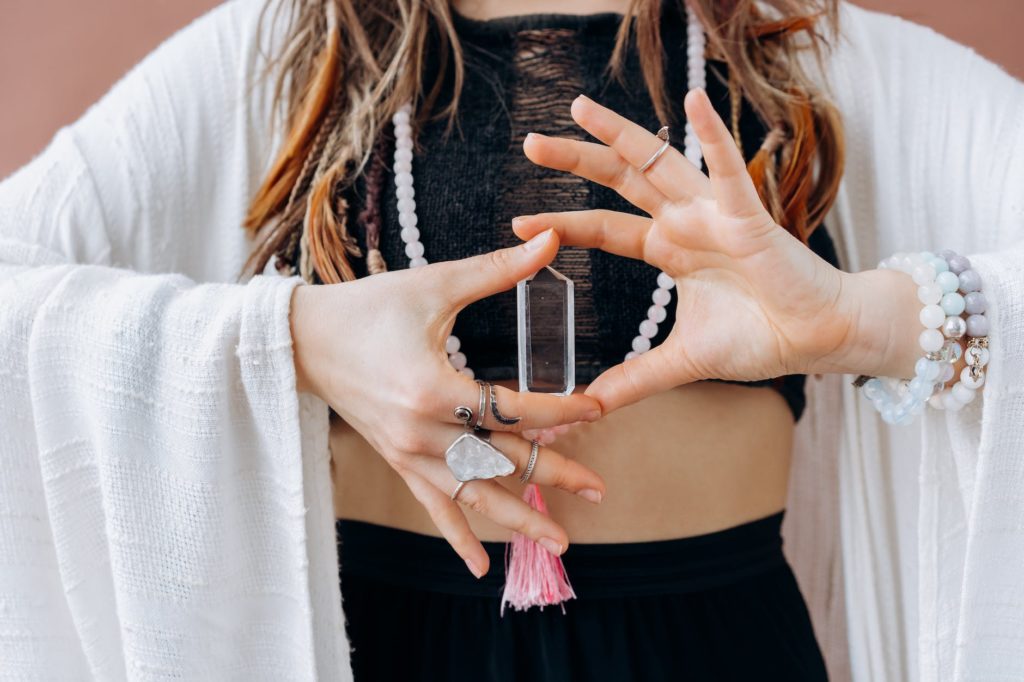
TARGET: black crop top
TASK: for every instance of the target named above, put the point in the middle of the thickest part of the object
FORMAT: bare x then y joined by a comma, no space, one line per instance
522,73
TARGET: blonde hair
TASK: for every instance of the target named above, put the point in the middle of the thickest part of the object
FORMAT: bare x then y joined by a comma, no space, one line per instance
348,65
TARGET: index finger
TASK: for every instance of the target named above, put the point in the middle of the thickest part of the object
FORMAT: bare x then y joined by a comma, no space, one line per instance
672,173
623,234
534,410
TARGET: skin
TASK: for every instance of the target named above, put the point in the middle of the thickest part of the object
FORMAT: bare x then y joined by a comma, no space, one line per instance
680,458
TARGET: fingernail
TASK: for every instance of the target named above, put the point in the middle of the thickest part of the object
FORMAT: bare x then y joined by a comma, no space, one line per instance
592,416
516,221
583,97
591,495
539,241
551,546
473,569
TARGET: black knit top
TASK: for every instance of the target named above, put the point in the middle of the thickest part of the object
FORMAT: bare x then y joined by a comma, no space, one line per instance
522,74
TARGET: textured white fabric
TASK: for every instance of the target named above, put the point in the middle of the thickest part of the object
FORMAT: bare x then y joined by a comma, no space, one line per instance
931,516
162,515
165,498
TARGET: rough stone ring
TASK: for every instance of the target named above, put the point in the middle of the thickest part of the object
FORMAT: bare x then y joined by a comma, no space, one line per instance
472,458
663,136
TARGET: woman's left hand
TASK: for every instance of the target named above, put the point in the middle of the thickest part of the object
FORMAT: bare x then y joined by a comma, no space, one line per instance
753,301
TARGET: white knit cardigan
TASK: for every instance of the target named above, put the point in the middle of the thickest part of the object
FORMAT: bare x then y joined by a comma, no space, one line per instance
165,499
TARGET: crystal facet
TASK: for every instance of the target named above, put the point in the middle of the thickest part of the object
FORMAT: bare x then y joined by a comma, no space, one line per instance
547,345
471,458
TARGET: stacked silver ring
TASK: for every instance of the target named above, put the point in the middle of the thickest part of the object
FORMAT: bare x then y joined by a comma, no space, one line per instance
472,456
483,405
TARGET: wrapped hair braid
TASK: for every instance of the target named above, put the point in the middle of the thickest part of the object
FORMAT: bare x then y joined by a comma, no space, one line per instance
326,243
765,166
304,265
370,218
294,212
735,110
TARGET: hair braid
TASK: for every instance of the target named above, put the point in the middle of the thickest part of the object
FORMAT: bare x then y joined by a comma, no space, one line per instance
370,218
326,243
294,220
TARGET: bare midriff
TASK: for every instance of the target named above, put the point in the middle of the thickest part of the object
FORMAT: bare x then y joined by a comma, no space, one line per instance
693,460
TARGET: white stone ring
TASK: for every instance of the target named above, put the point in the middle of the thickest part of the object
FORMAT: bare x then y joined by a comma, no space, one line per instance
663,136
471,458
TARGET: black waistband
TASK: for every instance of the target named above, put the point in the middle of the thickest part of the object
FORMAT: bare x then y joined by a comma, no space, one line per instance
424,562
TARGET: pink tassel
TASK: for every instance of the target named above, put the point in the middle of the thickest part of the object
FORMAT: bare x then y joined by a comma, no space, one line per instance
533,575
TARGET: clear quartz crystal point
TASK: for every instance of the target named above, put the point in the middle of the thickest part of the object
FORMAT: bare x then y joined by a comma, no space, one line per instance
547,341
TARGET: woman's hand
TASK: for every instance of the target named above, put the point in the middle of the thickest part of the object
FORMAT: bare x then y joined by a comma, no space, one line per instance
753,302
374,349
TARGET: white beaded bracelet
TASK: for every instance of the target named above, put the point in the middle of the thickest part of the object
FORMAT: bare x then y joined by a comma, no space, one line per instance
949,289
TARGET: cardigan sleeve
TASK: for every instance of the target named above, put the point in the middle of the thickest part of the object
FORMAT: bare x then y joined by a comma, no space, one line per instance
962,131
935,159
986,122
153,506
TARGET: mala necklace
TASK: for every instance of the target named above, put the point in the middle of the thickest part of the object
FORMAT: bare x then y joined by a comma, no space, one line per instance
534,577
409,222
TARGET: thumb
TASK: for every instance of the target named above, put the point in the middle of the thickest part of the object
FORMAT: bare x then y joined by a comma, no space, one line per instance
470,279
635,379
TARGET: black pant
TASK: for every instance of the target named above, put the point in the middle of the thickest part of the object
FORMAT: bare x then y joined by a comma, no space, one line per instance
722,606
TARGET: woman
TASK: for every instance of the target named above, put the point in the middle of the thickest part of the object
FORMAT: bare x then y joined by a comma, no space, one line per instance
166,464
713,502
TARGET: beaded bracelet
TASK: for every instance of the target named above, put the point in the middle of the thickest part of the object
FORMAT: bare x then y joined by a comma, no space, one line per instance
949,290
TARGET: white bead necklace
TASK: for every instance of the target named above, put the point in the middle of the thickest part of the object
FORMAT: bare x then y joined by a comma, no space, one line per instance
414,250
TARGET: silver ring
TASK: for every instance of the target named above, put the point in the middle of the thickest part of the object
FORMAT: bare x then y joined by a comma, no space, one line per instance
528,471
483,404
502,419
463,414
663,136
458,489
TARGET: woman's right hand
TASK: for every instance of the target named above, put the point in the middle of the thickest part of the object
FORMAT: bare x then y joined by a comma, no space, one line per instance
373,349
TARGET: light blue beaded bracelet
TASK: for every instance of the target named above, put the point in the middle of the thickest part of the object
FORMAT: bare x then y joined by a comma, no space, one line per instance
949,288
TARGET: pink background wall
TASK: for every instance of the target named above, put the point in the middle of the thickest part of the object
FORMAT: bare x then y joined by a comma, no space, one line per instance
58,56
